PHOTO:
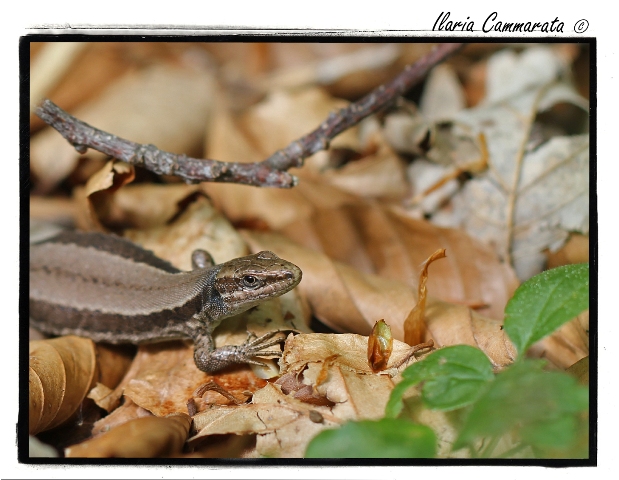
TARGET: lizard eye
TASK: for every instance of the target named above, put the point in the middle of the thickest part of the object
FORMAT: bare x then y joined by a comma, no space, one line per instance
250,281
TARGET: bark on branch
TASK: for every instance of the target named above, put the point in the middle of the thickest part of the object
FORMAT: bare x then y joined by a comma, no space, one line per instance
271,172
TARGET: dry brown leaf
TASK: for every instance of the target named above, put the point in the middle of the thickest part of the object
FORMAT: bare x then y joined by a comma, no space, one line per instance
113,361
50,65
99,65
350,301
62,371
102,204
365,234
140,438
146,205
198,226
57,210
224,446
95,196
575,250
284,425
380,174
567,345
164,105
580,370
165,377
336,368
378,239
536,188
96,66
350,350
386,241
36,400
126,412
351,66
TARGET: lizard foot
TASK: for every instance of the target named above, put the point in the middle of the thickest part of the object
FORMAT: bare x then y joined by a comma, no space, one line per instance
254,346
213,360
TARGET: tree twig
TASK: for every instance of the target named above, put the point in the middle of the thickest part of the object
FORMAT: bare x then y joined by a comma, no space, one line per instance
83,136
268,173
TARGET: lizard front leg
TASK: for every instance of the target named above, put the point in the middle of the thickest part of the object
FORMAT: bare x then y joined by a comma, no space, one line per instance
210,359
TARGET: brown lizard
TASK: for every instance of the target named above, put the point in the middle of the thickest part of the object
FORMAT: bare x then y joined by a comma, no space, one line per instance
110,290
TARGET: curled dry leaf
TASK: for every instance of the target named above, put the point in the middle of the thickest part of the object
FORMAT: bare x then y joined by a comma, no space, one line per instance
414,325
146,437
61,372
95,196
350,301
164,105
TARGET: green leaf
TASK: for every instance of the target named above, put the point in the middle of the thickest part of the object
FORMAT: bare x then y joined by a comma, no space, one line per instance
386,438
545,302
454,377
543,407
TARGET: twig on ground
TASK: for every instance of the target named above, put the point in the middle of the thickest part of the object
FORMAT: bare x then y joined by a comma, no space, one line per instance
268,173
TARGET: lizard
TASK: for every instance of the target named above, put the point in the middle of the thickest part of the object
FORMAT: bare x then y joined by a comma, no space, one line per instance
110,290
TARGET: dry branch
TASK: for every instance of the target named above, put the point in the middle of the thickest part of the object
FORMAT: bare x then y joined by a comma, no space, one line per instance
268,173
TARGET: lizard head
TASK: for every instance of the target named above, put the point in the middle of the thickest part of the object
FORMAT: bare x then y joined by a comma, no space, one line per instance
247,281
